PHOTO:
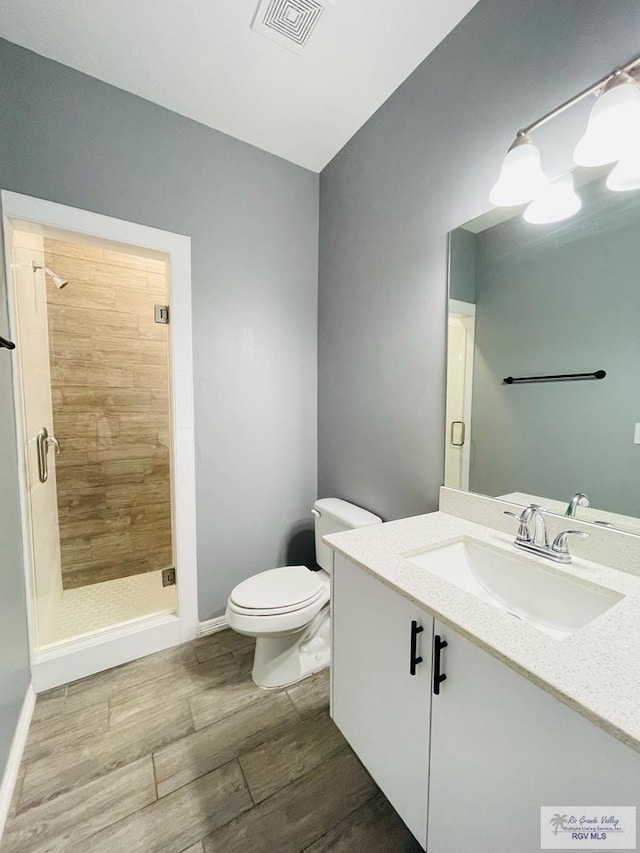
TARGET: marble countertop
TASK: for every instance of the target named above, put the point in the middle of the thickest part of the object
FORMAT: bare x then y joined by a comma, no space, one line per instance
595,670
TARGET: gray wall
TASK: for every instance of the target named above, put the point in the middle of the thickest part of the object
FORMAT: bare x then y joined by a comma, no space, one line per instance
550,299
253,222
421,166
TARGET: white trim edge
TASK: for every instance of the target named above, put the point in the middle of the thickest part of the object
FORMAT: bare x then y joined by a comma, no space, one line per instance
457,306
77,659
212,626
15,755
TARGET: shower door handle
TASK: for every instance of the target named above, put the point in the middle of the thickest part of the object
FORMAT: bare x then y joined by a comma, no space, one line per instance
463,430
43,442
42,447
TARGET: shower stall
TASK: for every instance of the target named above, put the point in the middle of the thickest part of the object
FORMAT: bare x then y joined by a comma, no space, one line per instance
95,412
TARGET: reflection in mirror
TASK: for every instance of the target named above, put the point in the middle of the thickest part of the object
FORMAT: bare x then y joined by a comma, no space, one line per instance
546,300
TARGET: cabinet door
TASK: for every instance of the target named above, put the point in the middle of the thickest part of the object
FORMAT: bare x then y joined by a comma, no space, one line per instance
382,710
501,748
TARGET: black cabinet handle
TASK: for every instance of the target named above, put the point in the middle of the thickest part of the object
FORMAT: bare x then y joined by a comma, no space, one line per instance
438,678
415,658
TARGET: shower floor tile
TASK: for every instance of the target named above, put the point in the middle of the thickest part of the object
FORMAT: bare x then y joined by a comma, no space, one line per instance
104,605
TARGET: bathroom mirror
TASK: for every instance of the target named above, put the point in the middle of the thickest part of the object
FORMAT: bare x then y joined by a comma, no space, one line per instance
553,300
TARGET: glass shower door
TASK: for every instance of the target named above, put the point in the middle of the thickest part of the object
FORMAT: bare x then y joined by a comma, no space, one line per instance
95,374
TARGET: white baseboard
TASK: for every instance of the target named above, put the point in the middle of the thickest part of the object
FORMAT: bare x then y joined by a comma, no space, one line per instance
212,626
15,755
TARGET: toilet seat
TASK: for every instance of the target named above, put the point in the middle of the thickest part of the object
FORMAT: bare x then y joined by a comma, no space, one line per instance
247,622
275,611
278,591
280,614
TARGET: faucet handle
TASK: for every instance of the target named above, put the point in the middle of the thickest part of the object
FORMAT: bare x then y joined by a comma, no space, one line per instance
524,533
560,542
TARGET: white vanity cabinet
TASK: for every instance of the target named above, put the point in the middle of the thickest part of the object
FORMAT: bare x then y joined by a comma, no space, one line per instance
467,768
380,707
501,747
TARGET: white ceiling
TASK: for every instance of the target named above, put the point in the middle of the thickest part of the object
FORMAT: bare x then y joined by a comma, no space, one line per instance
201,59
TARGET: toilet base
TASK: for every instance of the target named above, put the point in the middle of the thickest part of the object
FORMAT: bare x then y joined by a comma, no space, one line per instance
284,660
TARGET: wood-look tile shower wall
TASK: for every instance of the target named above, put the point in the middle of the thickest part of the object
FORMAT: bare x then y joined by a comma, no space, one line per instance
111,414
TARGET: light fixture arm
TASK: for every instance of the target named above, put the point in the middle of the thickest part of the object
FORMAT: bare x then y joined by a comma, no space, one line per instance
590,90
610,137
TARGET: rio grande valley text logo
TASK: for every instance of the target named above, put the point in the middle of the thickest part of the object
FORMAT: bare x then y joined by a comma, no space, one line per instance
588,828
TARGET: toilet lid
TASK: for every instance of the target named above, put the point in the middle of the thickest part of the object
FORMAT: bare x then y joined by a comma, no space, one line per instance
288,587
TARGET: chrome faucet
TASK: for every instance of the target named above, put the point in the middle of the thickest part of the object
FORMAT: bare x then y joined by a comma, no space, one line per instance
540,534
579,499
533,536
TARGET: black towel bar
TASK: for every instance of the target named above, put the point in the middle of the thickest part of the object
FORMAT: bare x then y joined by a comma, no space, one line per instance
559,377
7,344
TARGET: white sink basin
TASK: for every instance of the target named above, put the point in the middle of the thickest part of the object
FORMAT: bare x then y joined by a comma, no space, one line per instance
555,604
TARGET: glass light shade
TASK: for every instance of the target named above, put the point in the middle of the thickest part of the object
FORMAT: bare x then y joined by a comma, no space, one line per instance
614,118
625,175
557,201
521,177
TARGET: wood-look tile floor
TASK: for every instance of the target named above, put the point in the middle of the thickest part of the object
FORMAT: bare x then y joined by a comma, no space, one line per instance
180,752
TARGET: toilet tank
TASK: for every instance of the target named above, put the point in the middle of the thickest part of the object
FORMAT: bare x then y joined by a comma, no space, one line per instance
334,516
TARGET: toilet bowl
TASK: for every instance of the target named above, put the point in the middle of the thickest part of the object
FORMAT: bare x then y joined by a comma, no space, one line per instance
284,609
287,609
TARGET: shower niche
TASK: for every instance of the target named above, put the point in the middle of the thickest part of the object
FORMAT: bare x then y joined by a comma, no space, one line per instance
95,375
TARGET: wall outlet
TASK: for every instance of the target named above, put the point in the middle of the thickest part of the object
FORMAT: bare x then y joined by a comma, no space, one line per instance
636,434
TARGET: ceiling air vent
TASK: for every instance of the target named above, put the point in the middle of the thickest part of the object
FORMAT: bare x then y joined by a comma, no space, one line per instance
290,23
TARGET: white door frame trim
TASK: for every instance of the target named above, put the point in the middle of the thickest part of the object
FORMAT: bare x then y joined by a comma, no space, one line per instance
76,659
457,306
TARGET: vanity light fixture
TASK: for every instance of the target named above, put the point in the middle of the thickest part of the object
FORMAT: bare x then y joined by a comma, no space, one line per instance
625,175
558,200
521,177
612,136
614,119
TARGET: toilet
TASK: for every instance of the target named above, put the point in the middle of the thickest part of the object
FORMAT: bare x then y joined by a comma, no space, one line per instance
287,609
